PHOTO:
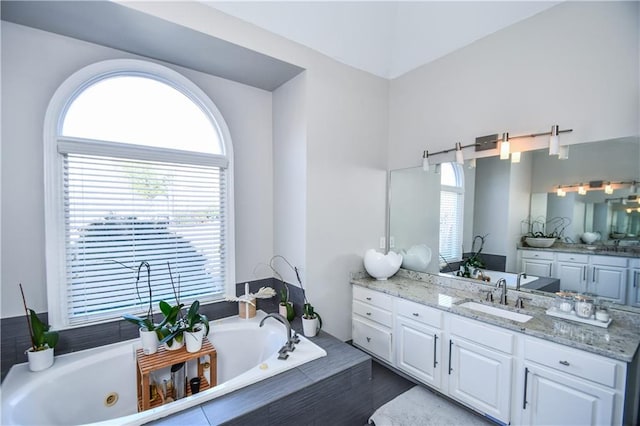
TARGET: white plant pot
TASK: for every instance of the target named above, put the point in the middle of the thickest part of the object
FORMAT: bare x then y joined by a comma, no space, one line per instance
175,345
310,327
149,341
40,360
282,310
194,340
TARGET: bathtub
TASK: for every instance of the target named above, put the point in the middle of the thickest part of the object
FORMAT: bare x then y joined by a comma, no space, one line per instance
76,388
509,277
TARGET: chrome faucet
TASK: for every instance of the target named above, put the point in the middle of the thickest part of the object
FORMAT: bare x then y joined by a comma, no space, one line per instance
502,284
520,276
291,340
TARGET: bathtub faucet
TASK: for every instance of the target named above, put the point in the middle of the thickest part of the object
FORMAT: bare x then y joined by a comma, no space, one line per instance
520,276
291,340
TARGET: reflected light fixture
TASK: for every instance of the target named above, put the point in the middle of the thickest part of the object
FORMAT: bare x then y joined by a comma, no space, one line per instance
472,163
563,152
425,161
582,190
629,210
515,157
459,156
554,142
633,188
608,189
505,147
560,192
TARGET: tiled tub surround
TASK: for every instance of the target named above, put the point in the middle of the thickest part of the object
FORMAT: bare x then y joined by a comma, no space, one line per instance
494,357
15,336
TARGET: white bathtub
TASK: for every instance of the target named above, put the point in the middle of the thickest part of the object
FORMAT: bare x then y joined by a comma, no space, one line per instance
509,277
74,389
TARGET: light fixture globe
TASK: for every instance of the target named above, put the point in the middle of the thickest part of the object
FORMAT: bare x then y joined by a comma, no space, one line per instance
381,266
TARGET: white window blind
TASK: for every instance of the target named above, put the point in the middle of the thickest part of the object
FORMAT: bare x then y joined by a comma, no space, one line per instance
119,212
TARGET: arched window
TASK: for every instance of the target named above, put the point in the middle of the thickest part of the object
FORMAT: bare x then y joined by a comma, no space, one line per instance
451,210
138,172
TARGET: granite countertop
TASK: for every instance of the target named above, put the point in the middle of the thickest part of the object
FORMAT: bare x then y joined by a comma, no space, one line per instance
619,341
596,248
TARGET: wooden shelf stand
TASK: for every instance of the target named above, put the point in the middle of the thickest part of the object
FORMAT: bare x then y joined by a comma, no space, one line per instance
146,364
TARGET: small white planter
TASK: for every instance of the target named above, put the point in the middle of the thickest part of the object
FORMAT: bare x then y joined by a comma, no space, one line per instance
149,340
282,309
310,327
40,360
175,344
194,340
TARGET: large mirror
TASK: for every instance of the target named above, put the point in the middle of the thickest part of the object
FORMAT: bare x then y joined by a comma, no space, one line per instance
502,201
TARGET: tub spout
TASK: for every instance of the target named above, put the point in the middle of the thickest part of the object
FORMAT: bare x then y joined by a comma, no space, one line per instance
288,347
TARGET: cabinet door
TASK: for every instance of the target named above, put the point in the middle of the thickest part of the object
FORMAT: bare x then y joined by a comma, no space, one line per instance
572,276
608,282
418,351
480,377
634,287
372,338
552,398
537,268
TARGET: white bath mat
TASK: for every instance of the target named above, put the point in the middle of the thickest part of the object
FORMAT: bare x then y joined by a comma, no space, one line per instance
419,407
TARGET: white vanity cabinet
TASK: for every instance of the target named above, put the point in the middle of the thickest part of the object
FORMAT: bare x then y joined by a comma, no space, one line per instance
479,366
571,270
372,322
418,332
633,283
608,278
570,387
536,263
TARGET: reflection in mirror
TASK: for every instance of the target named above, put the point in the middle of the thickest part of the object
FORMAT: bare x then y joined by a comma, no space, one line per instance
499,195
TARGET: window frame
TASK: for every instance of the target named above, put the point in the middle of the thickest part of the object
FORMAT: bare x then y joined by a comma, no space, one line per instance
53,165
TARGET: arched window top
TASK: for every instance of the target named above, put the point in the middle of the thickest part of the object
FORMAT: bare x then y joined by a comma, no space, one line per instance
141,110
451,175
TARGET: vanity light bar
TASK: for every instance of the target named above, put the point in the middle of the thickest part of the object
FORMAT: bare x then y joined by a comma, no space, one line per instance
484,143
607,186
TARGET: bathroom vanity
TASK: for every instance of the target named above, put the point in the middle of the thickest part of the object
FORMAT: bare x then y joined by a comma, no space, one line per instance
517,366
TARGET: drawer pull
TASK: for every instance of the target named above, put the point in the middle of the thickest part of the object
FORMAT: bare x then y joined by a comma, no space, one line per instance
566,363
524,400
450,344
435,341
368,339
369,313
415,314
368,298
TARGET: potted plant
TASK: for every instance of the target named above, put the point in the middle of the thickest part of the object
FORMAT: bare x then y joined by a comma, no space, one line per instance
285,308
43,340
190,328
148,330
311,321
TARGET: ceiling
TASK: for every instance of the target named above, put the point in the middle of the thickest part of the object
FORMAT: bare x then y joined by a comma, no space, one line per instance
385,38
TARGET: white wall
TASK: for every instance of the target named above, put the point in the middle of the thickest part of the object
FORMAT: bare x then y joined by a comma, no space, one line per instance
575,65
34,64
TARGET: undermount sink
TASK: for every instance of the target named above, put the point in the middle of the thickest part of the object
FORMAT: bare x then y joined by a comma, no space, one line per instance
498,312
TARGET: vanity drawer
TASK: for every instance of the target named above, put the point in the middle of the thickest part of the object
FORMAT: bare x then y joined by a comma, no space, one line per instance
420,313
372,297
372,313
573,257
578,363
483,334
534,254
372,338
609,261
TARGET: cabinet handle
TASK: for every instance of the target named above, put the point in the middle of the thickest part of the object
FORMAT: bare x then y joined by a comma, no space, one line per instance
435,340
368,313
584,273
415,314
450,344
565,363
593,274
368,339
524,400
368,298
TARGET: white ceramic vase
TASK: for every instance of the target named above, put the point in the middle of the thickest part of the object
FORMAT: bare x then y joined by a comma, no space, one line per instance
175,344
40,360
310,326
149,340
194,339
